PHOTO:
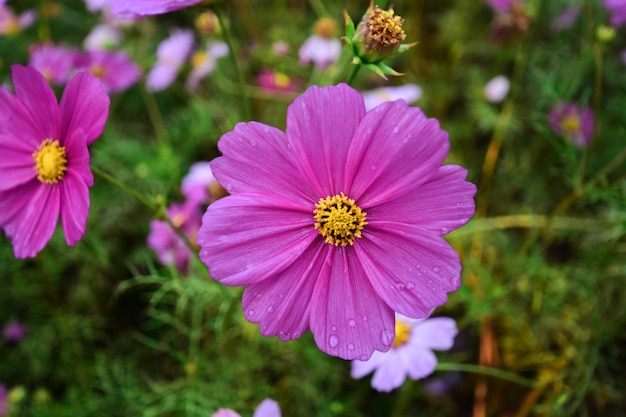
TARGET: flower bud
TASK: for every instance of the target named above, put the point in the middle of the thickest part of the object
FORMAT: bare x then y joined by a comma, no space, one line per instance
378,35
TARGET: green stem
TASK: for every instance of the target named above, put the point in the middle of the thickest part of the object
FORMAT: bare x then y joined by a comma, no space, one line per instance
484,370
233,59
355,70
319,8
123,187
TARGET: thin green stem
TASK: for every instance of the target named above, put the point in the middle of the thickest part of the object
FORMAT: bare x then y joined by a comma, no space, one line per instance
233,58
355,70
114,181
319,8
484,370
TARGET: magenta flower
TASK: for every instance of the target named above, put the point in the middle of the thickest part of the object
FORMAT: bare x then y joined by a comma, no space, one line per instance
617,10
407,92
573,122
136,9
170,248
411,353
171,55
336,224
11,23
204,63
4,401
501,6
56,63
566,18
44,165
275,82
14,332
267,408
115,69
196,184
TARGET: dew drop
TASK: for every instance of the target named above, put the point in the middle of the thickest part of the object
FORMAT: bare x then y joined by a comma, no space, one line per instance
229,187
369,130
333,341
386,337
364,357
436,269
251,312
270,309
410,285
333,328
350,346
252,142
400,286
266,129
443,230
352,323
406,139
296,335
396,129
258,295
364,318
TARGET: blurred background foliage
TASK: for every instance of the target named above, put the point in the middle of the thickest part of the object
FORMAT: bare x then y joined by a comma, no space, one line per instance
111,331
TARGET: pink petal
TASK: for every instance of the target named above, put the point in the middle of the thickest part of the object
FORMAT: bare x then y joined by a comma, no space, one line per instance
267,408
348,319
437,333
359,369
395,150
78,157
37,96
420,362
74,207
17,127
257,159
84,105
14,202
226,412
17,168
440,205
391,373
281,304
246,238
411,269
33,228
320,126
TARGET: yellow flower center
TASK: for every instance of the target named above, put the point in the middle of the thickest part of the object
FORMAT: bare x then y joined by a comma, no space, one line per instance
97,70
339,219
198,59
385,29
50,162
281,80
403,331
571,123
325,27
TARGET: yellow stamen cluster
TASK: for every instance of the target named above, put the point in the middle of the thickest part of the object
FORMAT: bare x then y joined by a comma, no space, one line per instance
385,29
571,123
281,80
50,162
198,59
339,219
403,331
325,27
97,70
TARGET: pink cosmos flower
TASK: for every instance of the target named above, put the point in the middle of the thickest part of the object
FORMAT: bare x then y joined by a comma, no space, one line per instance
497,88
55,62
171,55
4,403
11,23
196,184
14,332
407,92
275,82
501,6
136,9
115,69
566,18
204,62
321,51
44,163
411,353
573,122
103,36
95,5
267,408
617,10
170,248
338,222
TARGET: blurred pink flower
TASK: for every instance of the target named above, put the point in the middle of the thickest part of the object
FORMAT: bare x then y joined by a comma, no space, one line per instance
319,50
45,160
195,185
141,8
170,248
11,23
203,63
14,332
566,19
102,36
338,222
275,82
171,55
617,10
407,92
497,88
280,48
56,63
95,5
411,353
573,122
114,68
267,408
501,6
4,401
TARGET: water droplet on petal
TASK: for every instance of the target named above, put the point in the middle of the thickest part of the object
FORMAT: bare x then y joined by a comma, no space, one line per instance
251,312
270,309
410,285
369,130
386,337
333,328
405,140
333,341
252,142
266,129
350,346
400,286
443,230
364,357
352,323
364,318
436,269
396,129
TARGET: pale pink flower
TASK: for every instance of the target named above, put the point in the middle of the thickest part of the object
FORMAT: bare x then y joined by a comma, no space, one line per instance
195,185
319,50
56,63
267,408
11,23
115,69
407,92
103,36
204,62
136,9
497,88
171,55
573,122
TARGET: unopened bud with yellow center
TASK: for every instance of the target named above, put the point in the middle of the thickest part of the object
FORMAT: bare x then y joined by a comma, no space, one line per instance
208,24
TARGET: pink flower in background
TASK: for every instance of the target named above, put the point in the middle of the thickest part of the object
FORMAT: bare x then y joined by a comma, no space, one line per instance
204,62
566,19
267,408
275,82
14,332
322,52
280,48
411,354
11,23
573,122
407,92
103,36
502,6
136,9
337,223
4,403
196,184
624,57
617,10
171,55
497,88
56,63
114,68
170,248
44,165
